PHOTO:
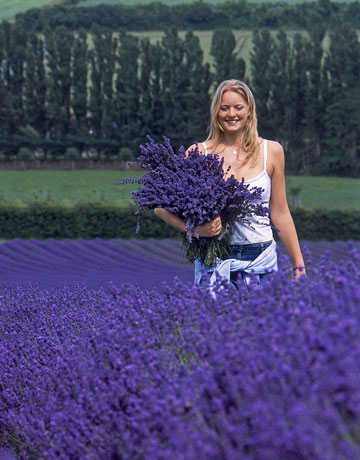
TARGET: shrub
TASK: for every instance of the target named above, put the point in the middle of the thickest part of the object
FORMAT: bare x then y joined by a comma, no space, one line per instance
72,153
25,153
125,153
108,220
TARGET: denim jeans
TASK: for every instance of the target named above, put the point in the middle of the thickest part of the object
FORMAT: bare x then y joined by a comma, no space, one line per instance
239,252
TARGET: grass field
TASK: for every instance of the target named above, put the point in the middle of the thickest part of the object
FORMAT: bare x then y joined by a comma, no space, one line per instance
71,186
64,186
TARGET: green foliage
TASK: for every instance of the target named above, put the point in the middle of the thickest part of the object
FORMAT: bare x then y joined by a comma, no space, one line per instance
29,131
207,249
85,220
106,220
72,153
125,153
227,64
62,90
195,15
25,153
318,224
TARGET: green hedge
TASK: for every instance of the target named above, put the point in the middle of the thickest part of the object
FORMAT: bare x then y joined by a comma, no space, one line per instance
318,224
86,220
107,220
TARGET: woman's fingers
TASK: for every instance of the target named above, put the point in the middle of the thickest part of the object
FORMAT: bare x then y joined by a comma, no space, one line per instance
209,229
216,226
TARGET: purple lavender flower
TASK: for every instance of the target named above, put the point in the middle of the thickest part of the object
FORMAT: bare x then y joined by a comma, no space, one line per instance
193,187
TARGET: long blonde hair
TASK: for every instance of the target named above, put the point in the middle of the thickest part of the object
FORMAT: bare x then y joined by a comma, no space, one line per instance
250,139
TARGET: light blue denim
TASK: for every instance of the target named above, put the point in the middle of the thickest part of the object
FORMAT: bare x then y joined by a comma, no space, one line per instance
239,252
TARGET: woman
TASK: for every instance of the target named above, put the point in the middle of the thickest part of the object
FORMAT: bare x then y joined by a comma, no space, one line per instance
233,136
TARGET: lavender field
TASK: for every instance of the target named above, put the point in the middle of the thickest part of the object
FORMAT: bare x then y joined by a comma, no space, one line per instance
52,263
104,356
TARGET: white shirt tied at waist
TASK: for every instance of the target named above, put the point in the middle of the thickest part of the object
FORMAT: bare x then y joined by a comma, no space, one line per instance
264,263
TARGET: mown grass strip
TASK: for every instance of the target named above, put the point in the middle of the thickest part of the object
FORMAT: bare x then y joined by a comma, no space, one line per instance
69,187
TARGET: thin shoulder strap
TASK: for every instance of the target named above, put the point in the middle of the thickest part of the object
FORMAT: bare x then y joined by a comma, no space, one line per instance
205,148
265,153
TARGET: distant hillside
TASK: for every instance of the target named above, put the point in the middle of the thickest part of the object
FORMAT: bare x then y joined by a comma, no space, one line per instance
8,8
177,2
198,15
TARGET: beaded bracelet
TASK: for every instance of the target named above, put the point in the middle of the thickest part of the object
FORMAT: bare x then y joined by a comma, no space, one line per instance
299,268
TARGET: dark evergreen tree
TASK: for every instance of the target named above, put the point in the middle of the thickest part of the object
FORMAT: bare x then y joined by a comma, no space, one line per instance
102,62
146,83
59,47
196,95
297,92
175,89
125,110
7,112
227,64
35,85
158,110
79,82
281,103
341,141
263,45
315,90
95,98
174,82
13,45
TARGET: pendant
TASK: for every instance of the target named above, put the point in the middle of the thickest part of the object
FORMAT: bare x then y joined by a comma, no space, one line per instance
235,152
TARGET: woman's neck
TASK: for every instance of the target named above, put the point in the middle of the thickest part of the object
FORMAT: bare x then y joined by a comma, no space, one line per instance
230,140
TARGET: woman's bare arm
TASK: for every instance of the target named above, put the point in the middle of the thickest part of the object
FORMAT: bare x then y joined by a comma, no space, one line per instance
212,228
280,213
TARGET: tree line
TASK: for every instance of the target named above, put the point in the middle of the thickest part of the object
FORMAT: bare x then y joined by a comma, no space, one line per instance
109,90
236,14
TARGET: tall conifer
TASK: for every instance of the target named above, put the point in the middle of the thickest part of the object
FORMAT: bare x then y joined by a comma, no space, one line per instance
263,45
79,84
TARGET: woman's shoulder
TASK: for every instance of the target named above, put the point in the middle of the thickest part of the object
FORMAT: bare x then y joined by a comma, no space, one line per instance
273,146
276,158
275,150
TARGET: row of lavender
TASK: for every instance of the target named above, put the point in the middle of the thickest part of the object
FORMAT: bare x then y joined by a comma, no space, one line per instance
269,372
52,263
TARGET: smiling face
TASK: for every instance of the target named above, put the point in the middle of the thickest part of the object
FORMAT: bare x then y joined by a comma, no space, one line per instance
233,112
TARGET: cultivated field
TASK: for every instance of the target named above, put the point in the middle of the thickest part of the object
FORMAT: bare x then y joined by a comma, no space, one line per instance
70,186
267,372
95,263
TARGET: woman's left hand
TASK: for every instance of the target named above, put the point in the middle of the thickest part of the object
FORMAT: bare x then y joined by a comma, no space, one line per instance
299,271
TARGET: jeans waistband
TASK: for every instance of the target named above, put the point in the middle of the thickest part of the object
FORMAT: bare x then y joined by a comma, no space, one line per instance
262,245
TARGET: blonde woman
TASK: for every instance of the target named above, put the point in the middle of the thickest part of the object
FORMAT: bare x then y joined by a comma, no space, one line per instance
233,135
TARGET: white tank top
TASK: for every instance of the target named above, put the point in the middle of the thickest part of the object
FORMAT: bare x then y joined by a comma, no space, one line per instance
261,230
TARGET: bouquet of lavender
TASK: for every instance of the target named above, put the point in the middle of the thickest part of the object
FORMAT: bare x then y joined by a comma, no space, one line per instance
192,186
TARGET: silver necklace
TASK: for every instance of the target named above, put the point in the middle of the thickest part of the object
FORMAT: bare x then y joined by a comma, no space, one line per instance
235,151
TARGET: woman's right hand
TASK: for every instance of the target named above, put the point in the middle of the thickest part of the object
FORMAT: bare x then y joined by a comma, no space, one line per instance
212,228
